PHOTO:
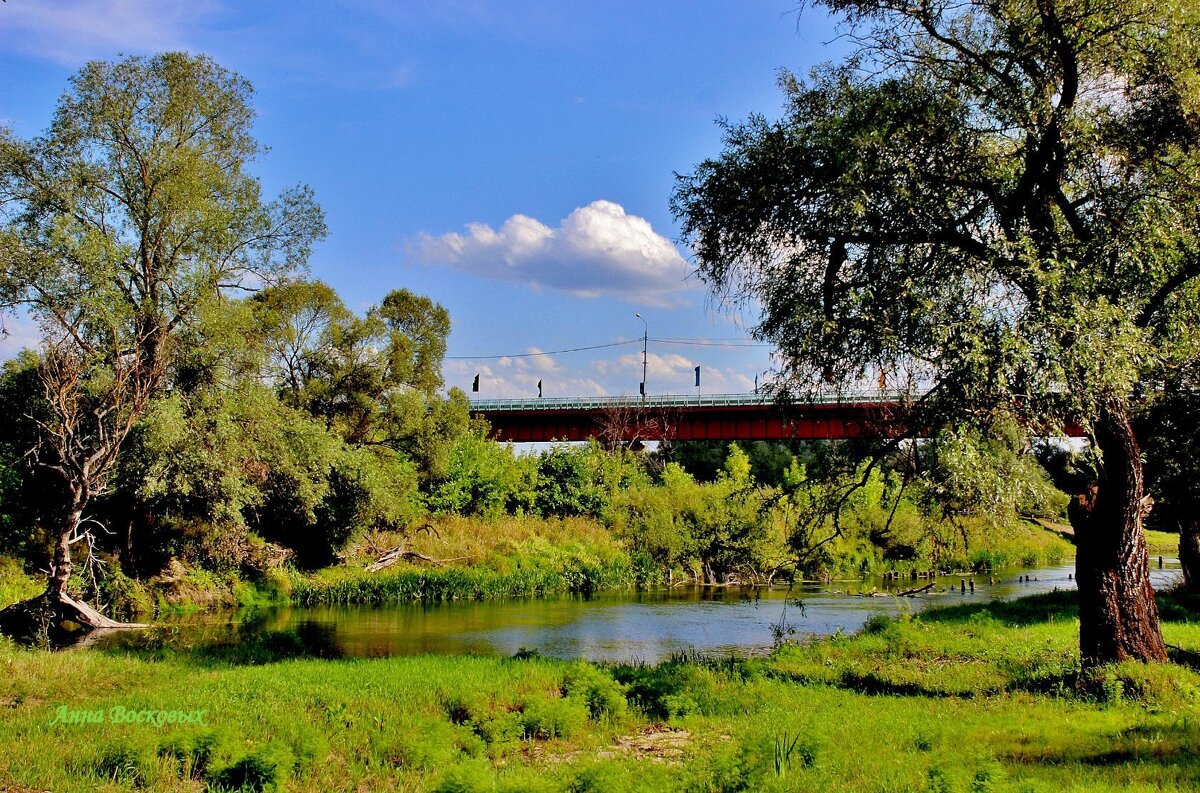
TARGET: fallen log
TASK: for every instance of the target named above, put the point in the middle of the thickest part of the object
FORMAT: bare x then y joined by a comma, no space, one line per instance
389,558
32,618
915,590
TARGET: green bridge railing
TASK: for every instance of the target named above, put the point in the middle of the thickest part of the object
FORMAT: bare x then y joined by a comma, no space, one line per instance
676,401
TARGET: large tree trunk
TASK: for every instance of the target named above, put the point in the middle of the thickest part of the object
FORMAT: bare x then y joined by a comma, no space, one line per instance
60,570
1189,551
41,618
1118,616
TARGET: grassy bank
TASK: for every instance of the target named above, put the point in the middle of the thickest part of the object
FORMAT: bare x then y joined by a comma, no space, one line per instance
475,559
505,557
970,698
1162,543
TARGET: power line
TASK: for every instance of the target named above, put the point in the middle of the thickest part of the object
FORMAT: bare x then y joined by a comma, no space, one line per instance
689,342
534,354
713,342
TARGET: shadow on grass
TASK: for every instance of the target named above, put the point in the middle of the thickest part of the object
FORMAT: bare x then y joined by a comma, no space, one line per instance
1174,605
248,645
1166,747
1030,610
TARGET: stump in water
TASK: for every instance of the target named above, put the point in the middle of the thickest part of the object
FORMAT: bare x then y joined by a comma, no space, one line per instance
53,612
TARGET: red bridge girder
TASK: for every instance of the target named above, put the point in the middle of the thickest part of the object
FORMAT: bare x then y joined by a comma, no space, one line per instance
747,422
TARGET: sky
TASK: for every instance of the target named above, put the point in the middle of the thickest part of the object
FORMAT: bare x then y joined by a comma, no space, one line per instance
513,161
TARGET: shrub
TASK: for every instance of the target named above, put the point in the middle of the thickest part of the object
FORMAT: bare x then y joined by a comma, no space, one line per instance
262,770
553,718
603,696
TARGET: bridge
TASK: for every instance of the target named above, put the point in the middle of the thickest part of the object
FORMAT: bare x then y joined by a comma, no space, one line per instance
724,417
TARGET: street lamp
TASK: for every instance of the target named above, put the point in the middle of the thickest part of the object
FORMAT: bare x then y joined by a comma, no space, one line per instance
645,346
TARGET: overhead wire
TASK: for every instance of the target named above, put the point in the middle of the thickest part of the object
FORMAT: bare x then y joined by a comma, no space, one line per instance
532,354
688,342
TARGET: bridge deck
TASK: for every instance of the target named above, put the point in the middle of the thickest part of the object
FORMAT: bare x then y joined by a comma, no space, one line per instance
677,401
703,417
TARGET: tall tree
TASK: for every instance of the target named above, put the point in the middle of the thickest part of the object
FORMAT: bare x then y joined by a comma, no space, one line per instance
374,379
1002,199
130,214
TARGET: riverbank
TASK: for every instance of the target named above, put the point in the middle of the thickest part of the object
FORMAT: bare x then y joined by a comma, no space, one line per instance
977,697
475,559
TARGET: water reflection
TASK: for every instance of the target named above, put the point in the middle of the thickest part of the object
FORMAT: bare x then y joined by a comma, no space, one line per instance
613,626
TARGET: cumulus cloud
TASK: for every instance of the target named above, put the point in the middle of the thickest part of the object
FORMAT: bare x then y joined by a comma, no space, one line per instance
599,249
72,31
672,373
667,373
517,378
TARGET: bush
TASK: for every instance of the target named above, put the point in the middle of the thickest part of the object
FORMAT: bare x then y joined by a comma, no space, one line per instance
553,718
595,687
262,770
670,689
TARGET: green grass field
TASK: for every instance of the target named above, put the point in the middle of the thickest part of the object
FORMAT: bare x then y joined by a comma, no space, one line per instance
970,698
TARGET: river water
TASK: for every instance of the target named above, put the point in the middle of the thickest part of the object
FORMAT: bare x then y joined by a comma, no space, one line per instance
647,626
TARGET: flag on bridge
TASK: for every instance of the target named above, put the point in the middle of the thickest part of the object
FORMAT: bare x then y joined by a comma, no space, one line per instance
697,377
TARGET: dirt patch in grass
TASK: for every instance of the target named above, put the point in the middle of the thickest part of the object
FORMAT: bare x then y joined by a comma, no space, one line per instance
656,742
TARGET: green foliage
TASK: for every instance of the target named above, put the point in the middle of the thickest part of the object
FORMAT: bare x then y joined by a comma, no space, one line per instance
973,697
569,573
547,719
29,495
595,688
674,689
941,208
994,476
713,529
568,483
15,584
485,478
371,379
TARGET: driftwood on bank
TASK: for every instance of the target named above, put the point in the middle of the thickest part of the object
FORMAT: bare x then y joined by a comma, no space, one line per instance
36,616
402,552
389,558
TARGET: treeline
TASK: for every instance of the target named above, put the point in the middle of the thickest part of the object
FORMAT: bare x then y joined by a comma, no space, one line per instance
759,511
291,432
286,426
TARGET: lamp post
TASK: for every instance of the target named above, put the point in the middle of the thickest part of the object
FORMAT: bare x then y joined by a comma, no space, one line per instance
645,347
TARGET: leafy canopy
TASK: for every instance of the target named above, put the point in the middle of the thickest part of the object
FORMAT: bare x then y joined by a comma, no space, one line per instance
1001,201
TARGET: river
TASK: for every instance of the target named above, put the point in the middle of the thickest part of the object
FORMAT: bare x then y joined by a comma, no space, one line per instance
646,626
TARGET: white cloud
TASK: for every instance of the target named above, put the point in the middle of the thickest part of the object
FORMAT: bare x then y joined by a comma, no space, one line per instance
518,378
16,334
674,374
73,31
597,250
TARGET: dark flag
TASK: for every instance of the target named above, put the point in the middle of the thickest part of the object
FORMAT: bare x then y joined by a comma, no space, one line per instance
539,389
697,377
475,385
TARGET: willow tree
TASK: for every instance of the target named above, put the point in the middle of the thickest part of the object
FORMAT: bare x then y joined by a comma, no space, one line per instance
120,224
1002,198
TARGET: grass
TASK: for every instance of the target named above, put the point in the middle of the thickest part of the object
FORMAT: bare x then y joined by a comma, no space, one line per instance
479,559
507,557
1162,543
15,585
970,698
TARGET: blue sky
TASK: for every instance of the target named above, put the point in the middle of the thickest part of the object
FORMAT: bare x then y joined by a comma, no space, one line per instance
511,160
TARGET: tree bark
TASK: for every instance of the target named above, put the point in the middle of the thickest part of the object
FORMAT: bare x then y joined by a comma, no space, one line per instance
1189,551
1118,616
60,571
